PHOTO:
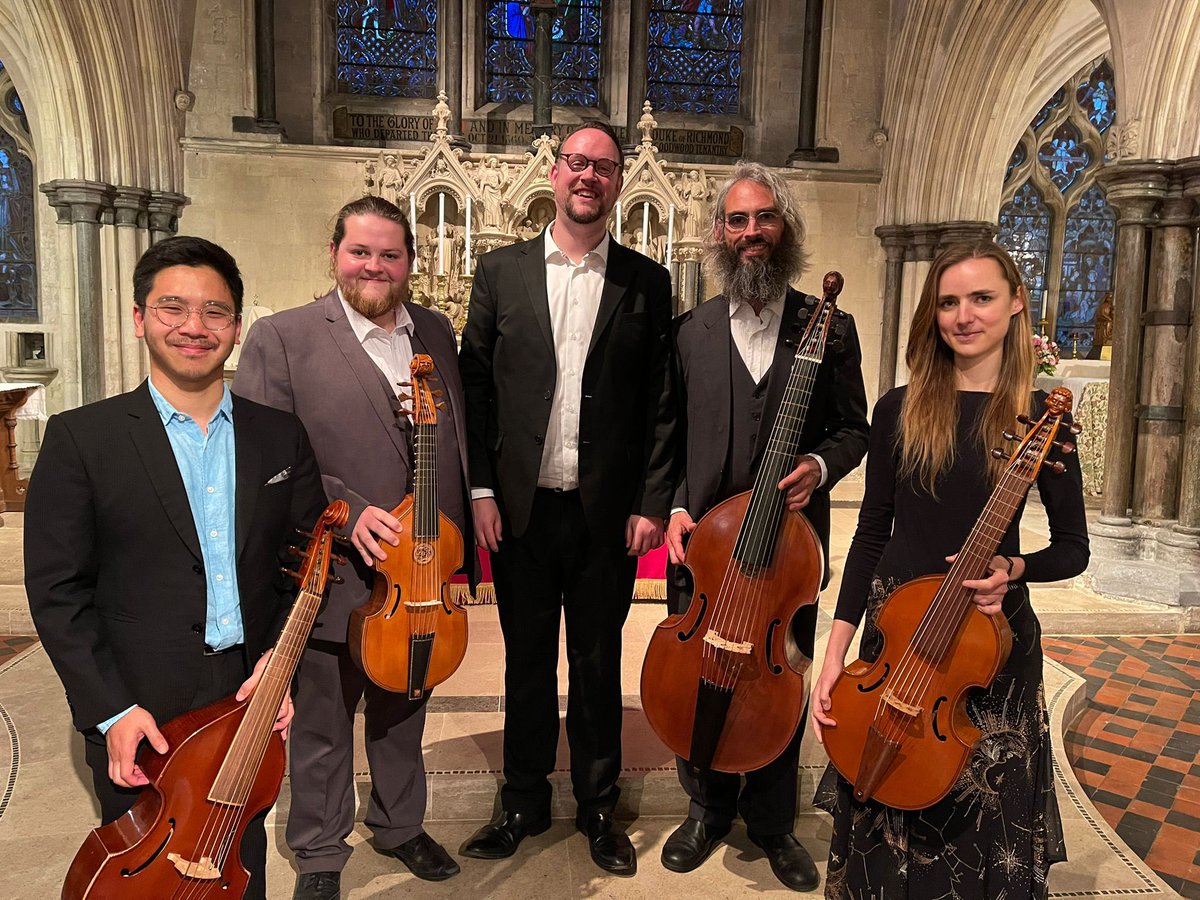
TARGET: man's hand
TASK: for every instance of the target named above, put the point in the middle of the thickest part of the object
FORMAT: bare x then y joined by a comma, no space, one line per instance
375,525
283,721
488,530
800,483
680,526
123,740
643,534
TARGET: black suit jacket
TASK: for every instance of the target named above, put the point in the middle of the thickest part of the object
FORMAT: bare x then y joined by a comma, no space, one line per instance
835,427
627,413
113,566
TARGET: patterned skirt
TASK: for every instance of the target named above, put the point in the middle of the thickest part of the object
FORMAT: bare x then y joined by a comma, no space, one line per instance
997,832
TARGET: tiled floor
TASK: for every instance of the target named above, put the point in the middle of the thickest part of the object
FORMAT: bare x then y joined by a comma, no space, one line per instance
11,646
1135,750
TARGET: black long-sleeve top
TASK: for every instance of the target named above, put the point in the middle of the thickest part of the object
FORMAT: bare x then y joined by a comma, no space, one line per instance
904,532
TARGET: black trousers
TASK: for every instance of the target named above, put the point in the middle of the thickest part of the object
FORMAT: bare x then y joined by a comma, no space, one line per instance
766,797
221,676
559,568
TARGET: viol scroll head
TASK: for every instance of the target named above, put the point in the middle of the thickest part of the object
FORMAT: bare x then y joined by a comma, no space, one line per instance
832,284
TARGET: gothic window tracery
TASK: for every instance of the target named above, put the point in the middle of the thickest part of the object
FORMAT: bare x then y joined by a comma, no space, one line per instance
1054,218
18,246
694,63
387,48
576,64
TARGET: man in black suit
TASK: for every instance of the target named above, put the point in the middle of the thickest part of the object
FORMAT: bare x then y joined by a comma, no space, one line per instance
565,362
153,530
734,354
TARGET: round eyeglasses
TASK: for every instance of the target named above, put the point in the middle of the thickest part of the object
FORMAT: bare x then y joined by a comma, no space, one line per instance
173,313
738,222
577,162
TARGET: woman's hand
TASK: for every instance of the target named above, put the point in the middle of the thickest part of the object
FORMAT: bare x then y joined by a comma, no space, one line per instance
990,591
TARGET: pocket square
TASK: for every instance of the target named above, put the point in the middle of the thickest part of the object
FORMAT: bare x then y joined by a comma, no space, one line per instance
282,476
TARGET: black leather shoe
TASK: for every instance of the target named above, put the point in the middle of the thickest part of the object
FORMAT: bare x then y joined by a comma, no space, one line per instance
425,858
318,886
690,844
789,860
611,848
499,839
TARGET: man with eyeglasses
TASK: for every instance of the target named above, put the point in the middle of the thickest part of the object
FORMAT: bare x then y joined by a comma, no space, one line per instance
154,526
565,364
734,355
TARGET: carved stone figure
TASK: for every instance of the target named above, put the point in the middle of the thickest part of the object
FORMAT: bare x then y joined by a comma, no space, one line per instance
391,179
441,112
694,191
491,178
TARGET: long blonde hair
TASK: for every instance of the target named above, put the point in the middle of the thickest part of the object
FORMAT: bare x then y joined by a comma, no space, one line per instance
929,414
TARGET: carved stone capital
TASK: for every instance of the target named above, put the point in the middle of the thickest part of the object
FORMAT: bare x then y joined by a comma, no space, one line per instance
164,209
130,205
78,201
895,240
964,232
1135,188
1188,172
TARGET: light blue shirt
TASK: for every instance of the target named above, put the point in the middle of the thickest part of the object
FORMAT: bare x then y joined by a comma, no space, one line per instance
208,466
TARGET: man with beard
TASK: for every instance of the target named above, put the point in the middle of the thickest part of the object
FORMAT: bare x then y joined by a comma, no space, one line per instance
154,529
734,355
566,365
337,363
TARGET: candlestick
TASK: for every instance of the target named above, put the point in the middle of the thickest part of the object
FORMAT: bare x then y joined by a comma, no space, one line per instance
670,235
441,234
645,225
412,226
618,221
467,255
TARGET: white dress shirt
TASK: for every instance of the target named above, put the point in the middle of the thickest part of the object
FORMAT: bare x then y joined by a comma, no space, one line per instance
391,351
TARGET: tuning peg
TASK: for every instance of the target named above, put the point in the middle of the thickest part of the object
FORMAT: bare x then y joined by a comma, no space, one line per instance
404,384
307,535
997,453
438,393
1024,419
341,538
404,398
1064,447
1075,428
1009,436
339,559
288,572
1057,468
337,579
293,550
440,405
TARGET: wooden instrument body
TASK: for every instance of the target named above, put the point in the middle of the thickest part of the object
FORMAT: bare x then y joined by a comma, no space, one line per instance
381,630
769,693
140,841
938,740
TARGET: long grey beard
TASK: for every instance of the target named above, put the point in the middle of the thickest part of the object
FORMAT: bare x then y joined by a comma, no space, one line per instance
755,281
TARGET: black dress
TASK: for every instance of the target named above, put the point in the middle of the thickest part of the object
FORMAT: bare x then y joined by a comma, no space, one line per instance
997,832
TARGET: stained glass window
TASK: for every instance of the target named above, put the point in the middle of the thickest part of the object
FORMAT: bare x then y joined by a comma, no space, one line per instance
387,48
1050,106
508,57
1018,157
1087,268
695,56
18,270
1097,97
1025,233
1064,156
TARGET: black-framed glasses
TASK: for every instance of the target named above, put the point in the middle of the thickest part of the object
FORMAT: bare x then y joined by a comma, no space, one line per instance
767,218
173,312
577,162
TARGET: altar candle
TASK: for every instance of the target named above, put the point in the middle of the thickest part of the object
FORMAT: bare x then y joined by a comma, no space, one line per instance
618,221
645,224
467,255
441,234
670,234
412,224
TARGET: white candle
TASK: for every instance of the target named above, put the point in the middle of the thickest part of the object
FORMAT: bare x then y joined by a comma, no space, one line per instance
467,255
645,225
670,234
618,221
441,235
412,224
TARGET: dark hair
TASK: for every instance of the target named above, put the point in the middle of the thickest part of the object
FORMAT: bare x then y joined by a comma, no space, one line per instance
598,125
185,250
372,206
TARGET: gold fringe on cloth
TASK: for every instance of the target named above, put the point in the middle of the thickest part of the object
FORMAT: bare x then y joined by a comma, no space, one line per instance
485,593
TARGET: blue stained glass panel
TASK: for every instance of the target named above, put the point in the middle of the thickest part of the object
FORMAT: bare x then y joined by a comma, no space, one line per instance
695,56
1064,156
508,55
1097,97
1089,256
18,266
1050,106
1018,157
387,48
1025,233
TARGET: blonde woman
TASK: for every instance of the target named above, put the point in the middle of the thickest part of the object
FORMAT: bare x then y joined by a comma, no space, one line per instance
929,474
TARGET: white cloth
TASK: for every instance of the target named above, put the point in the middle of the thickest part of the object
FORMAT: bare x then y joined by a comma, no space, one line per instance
573,292
391,352
34,408
755,334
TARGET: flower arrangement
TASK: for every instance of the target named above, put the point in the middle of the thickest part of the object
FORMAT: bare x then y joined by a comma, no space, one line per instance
1045,355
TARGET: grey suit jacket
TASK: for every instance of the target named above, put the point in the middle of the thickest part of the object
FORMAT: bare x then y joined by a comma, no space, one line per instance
308,361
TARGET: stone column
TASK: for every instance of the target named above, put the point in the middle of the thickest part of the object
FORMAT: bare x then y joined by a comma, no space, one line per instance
1188,525
452,68
131,213
895,241
264,120
81,203
810,81
639,52
1164,351
543,64
1135,190
164,209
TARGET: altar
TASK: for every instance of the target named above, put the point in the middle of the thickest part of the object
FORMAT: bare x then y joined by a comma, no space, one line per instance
1087,380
